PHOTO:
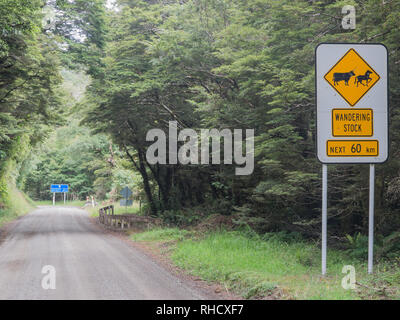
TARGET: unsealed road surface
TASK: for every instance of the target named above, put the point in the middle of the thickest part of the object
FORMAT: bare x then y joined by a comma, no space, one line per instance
89,263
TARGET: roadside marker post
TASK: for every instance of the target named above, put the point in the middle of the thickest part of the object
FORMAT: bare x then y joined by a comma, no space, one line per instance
352,117
324,215
371,218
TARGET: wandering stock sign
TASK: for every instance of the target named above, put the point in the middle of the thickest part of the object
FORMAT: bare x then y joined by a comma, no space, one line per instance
352,116
352,103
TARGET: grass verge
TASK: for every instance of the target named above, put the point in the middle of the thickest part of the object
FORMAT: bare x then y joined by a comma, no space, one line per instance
134,209
94,212
77,203
16,204
164,235
256,267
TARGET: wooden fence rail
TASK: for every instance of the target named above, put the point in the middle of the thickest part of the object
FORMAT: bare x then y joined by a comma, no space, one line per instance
124,221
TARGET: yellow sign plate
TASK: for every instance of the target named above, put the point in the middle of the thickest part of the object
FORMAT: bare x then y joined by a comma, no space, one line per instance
352,123
352,148
352,77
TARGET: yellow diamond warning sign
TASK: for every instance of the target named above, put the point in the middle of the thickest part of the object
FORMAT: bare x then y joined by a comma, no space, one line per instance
352,120
352,77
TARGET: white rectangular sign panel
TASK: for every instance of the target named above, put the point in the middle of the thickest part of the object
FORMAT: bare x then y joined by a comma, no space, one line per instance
352,103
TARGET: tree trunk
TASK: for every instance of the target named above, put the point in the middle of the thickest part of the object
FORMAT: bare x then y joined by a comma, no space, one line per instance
146,184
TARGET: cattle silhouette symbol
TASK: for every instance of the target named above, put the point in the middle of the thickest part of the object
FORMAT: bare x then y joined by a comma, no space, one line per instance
345,76
352,77
337,77
366,77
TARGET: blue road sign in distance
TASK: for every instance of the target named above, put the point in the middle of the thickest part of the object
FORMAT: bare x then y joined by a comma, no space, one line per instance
125,203
59,188
126,192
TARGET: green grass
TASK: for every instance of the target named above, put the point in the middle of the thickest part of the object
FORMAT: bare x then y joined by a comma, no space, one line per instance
17,204
160,234
94,212
253,267
134,209
77,203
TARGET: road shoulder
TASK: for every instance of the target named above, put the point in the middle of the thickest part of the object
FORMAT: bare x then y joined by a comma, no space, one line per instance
155,252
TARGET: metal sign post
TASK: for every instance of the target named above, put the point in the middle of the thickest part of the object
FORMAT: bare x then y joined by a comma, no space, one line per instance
371,218
352,116
324,215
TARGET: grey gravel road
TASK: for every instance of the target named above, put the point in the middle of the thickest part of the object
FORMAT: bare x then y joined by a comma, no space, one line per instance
89,263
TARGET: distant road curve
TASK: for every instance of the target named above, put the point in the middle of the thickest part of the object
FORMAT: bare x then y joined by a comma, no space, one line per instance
89,263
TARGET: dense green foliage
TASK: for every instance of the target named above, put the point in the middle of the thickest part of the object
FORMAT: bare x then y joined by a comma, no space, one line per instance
87,163
245,64
90,164
242,65
29,78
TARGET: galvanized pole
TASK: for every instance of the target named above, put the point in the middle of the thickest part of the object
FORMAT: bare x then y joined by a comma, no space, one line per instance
371,218
54,198
324,215
64,197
